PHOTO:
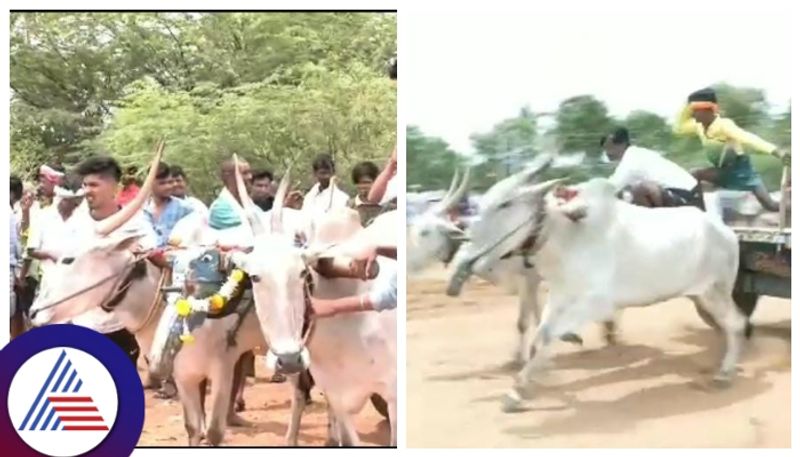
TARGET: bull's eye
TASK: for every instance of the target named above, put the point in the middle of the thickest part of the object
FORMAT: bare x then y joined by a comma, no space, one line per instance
206,258
255,278
67,260
505,205
425,232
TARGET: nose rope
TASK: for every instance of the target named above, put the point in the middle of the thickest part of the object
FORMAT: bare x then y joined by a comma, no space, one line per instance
308,312
537,219
118,275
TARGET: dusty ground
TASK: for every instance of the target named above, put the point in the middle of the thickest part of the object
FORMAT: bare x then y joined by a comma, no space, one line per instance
650,390
268,409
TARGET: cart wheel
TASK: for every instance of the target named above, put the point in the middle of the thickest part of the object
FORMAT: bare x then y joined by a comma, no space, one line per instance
380,405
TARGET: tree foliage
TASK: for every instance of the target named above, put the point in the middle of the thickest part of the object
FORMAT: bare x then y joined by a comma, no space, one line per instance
274,87
429,160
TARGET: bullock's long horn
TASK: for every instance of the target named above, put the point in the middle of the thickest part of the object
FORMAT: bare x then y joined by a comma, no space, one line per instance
542,188
453,185
454,197
538,165
442,206
250,208
276,221
117,220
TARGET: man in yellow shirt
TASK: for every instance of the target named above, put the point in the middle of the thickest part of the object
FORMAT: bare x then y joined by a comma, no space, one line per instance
725,144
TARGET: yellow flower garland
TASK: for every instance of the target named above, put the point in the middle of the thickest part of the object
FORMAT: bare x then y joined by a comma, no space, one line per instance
184,306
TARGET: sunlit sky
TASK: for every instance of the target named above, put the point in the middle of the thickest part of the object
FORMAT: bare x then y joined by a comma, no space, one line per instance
469,71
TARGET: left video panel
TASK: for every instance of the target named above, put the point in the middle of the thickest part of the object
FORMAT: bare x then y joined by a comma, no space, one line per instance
213,196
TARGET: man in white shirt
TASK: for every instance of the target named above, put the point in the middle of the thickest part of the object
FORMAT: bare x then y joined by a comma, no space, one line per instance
101,179
47,238
323,196
652,179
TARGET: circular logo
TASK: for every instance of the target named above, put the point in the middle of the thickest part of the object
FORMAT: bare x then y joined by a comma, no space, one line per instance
69,391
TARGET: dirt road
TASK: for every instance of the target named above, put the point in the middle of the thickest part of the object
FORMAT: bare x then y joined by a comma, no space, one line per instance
650,390
268,409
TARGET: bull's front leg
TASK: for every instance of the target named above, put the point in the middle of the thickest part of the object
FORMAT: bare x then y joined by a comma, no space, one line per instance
221,385
541,345
529,313
301,385
191,401
240,370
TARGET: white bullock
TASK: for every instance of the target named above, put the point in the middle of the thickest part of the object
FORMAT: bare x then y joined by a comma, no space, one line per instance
433,237
350,356
599,254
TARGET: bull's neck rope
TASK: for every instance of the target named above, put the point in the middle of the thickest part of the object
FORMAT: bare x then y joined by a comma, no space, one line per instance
154,304
538,221
308,312
119,275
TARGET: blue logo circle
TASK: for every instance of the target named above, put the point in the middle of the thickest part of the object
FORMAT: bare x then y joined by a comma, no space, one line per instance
127,426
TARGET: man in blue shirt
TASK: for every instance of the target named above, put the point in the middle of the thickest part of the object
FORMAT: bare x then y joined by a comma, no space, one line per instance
164,210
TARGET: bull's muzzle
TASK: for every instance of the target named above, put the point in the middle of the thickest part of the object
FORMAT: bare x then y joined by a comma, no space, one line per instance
288,363
460,276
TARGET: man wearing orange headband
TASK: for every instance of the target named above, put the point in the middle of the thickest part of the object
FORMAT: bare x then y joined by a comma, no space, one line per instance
725,144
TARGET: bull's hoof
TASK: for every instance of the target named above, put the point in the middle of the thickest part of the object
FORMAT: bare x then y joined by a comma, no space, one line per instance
722,380
167,392
235,420
572,338
611,339
214,437
515,364
512,402
239,407
331,442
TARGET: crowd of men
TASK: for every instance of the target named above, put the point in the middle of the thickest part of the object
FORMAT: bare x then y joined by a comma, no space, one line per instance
63,208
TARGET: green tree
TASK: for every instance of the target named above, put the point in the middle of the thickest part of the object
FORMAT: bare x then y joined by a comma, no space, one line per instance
649,130
581,122
272,86
508,144
429,160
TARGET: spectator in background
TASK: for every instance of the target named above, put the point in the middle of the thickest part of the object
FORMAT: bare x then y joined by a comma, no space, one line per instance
323,196
47,241
130,186
263,194
179,190
15,257
364,175
33,205
164,210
